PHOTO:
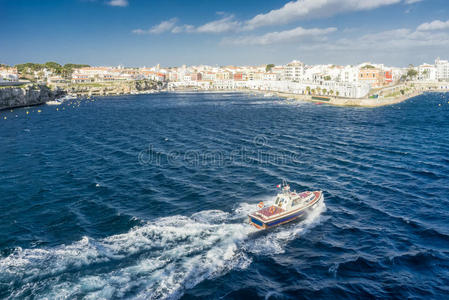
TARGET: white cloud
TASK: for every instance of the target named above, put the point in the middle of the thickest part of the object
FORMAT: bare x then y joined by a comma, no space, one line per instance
183,28
294,10
121,3
222,25
281,37
225,24
435,25
162,27
390,41
300,9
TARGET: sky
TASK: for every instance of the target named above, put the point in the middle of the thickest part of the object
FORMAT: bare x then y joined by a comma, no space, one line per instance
216,32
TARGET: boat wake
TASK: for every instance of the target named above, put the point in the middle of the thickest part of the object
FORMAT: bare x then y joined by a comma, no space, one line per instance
159,259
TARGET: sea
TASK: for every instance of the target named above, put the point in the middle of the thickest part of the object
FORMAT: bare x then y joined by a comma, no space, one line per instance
147,196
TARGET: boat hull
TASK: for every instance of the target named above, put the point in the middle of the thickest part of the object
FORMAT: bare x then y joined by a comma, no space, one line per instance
283,218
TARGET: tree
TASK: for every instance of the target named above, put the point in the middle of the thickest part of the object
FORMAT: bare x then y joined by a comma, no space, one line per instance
327,78
269,67
324,91
313,91
331,92
308,90
337,93
52,65
318,90
75,66
28,68
67,69
411,73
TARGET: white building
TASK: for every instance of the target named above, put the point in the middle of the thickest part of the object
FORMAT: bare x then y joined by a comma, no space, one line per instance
427,72
315,74
271,76
279,71
349,74
294,71
442,69
8,74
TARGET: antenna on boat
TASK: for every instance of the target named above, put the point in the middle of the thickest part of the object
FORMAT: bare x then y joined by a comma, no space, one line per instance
285,186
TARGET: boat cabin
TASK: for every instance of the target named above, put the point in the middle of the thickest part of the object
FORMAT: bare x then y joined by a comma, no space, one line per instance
287,200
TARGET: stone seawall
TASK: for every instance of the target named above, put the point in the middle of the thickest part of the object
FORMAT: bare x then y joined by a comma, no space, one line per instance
29,95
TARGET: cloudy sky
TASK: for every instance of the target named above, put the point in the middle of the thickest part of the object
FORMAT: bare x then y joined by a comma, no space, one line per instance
175,32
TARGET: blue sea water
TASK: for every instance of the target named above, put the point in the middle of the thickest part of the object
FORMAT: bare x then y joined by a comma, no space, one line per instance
146,197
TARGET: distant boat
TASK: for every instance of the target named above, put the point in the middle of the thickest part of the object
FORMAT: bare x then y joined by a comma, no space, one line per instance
268,95
288,206
68,97
321,98
54,102
61,100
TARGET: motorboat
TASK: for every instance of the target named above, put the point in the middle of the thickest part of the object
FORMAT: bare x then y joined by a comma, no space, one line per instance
288,206
54,102
59,101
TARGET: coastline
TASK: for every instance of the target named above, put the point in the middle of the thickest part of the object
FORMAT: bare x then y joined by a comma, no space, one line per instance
30,95
358,102
336,101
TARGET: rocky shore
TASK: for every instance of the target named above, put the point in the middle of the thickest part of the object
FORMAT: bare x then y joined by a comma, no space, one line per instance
36,94
27,95
112,88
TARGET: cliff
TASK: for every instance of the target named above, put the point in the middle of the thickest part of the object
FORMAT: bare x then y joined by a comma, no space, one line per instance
29,95
113,88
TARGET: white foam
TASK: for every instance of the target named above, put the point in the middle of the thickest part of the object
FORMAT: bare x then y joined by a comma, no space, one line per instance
157,260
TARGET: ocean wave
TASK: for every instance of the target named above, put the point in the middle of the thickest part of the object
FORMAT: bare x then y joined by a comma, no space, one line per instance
159,259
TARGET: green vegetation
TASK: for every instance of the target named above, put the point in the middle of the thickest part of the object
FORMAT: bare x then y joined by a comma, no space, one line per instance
368,67
327,78
411,73
12,86
65,71
269,67
91,84
398,93
28,68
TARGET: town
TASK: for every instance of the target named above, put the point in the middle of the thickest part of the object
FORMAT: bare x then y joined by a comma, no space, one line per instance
295,78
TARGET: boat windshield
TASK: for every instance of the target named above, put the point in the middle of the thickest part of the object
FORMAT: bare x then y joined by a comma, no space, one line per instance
277,201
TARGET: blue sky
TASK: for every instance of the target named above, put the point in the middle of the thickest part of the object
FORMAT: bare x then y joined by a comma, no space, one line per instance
176,32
